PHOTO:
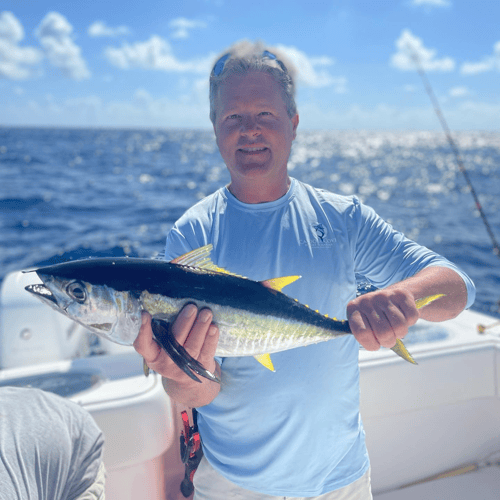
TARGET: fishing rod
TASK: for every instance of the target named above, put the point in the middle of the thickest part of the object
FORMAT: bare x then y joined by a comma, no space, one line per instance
461,166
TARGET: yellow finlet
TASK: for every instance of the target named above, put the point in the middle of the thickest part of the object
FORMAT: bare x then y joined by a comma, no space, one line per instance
279,283
427,300
265,360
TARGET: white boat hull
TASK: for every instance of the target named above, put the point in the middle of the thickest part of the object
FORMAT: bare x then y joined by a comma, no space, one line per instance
438,416
419,420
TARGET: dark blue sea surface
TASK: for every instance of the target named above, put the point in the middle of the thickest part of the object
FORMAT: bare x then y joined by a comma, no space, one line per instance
72,193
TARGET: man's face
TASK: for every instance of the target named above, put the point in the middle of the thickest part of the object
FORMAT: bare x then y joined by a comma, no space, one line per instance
252,127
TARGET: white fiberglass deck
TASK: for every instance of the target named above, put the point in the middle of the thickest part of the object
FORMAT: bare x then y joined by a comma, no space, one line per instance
481,484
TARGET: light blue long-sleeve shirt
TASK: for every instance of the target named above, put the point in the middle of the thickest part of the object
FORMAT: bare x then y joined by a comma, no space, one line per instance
296,432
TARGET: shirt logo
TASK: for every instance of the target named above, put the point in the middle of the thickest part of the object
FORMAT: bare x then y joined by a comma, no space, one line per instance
319,237
320,231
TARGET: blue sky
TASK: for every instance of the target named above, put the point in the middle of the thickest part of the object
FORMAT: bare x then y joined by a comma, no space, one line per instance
145,64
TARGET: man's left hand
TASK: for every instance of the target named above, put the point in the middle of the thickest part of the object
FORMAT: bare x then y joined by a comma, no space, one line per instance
379,318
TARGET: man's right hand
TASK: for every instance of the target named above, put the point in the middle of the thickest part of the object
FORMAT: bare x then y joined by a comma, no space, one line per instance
195,331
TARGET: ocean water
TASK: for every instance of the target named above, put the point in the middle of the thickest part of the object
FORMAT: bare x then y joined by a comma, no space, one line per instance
72,193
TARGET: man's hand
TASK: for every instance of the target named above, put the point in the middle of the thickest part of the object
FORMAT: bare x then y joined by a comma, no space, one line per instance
379,318
199,336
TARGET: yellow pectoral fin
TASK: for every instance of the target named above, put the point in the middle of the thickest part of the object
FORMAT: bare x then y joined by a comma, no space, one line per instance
265,360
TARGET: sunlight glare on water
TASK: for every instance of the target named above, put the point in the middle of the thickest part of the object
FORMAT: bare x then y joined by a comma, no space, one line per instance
72,193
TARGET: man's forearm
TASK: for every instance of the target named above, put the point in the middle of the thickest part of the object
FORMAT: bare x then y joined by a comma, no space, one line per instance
192,393
437,280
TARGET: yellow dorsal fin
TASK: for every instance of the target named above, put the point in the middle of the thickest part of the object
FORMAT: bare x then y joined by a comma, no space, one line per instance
265,360
195,258
200,258
279,283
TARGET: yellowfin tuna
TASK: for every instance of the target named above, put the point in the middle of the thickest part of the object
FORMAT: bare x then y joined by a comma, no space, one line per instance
107,295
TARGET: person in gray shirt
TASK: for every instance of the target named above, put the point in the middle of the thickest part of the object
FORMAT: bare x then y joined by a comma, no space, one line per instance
50,448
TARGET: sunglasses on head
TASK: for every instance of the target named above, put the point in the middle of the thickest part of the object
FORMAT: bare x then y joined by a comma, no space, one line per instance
219,65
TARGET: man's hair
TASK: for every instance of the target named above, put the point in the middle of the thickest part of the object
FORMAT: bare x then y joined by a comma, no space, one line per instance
245,57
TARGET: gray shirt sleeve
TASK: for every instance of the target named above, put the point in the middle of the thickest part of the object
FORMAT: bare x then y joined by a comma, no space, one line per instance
50,448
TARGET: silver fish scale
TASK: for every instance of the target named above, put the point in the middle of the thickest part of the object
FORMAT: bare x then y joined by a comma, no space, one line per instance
253,334
242,333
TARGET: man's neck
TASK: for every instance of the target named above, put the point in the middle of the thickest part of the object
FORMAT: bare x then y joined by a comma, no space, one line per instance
254,192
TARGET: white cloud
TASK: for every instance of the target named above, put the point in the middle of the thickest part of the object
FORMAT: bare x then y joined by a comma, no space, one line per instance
99,29
488,63
182,26
459,92
411,89
431,3
10,28
155,54
411,49
16,62
460,115
477,67
200,87
140,110
142,95
55,35
312,71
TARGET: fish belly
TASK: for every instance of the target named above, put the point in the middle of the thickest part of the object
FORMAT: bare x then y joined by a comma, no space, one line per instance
250,334
243,333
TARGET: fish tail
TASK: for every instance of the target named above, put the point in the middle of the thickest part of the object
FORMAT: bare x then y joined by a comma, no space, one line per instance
401,350
427,300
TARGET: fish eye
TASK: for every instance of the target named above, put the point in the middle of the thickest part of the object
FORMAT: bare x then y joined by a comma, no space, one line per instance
77,291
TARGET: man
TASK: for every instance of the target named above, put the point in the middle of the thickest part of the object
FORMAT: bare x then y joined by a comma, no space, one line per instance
50,448
296,432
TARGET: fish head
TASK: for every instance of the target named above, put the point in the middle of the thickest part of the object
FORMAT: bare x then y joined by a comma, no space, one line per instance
112,314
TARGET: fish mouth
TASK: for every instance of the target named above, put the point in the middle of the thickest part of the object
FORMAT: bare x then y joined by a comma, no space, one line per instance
42,292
